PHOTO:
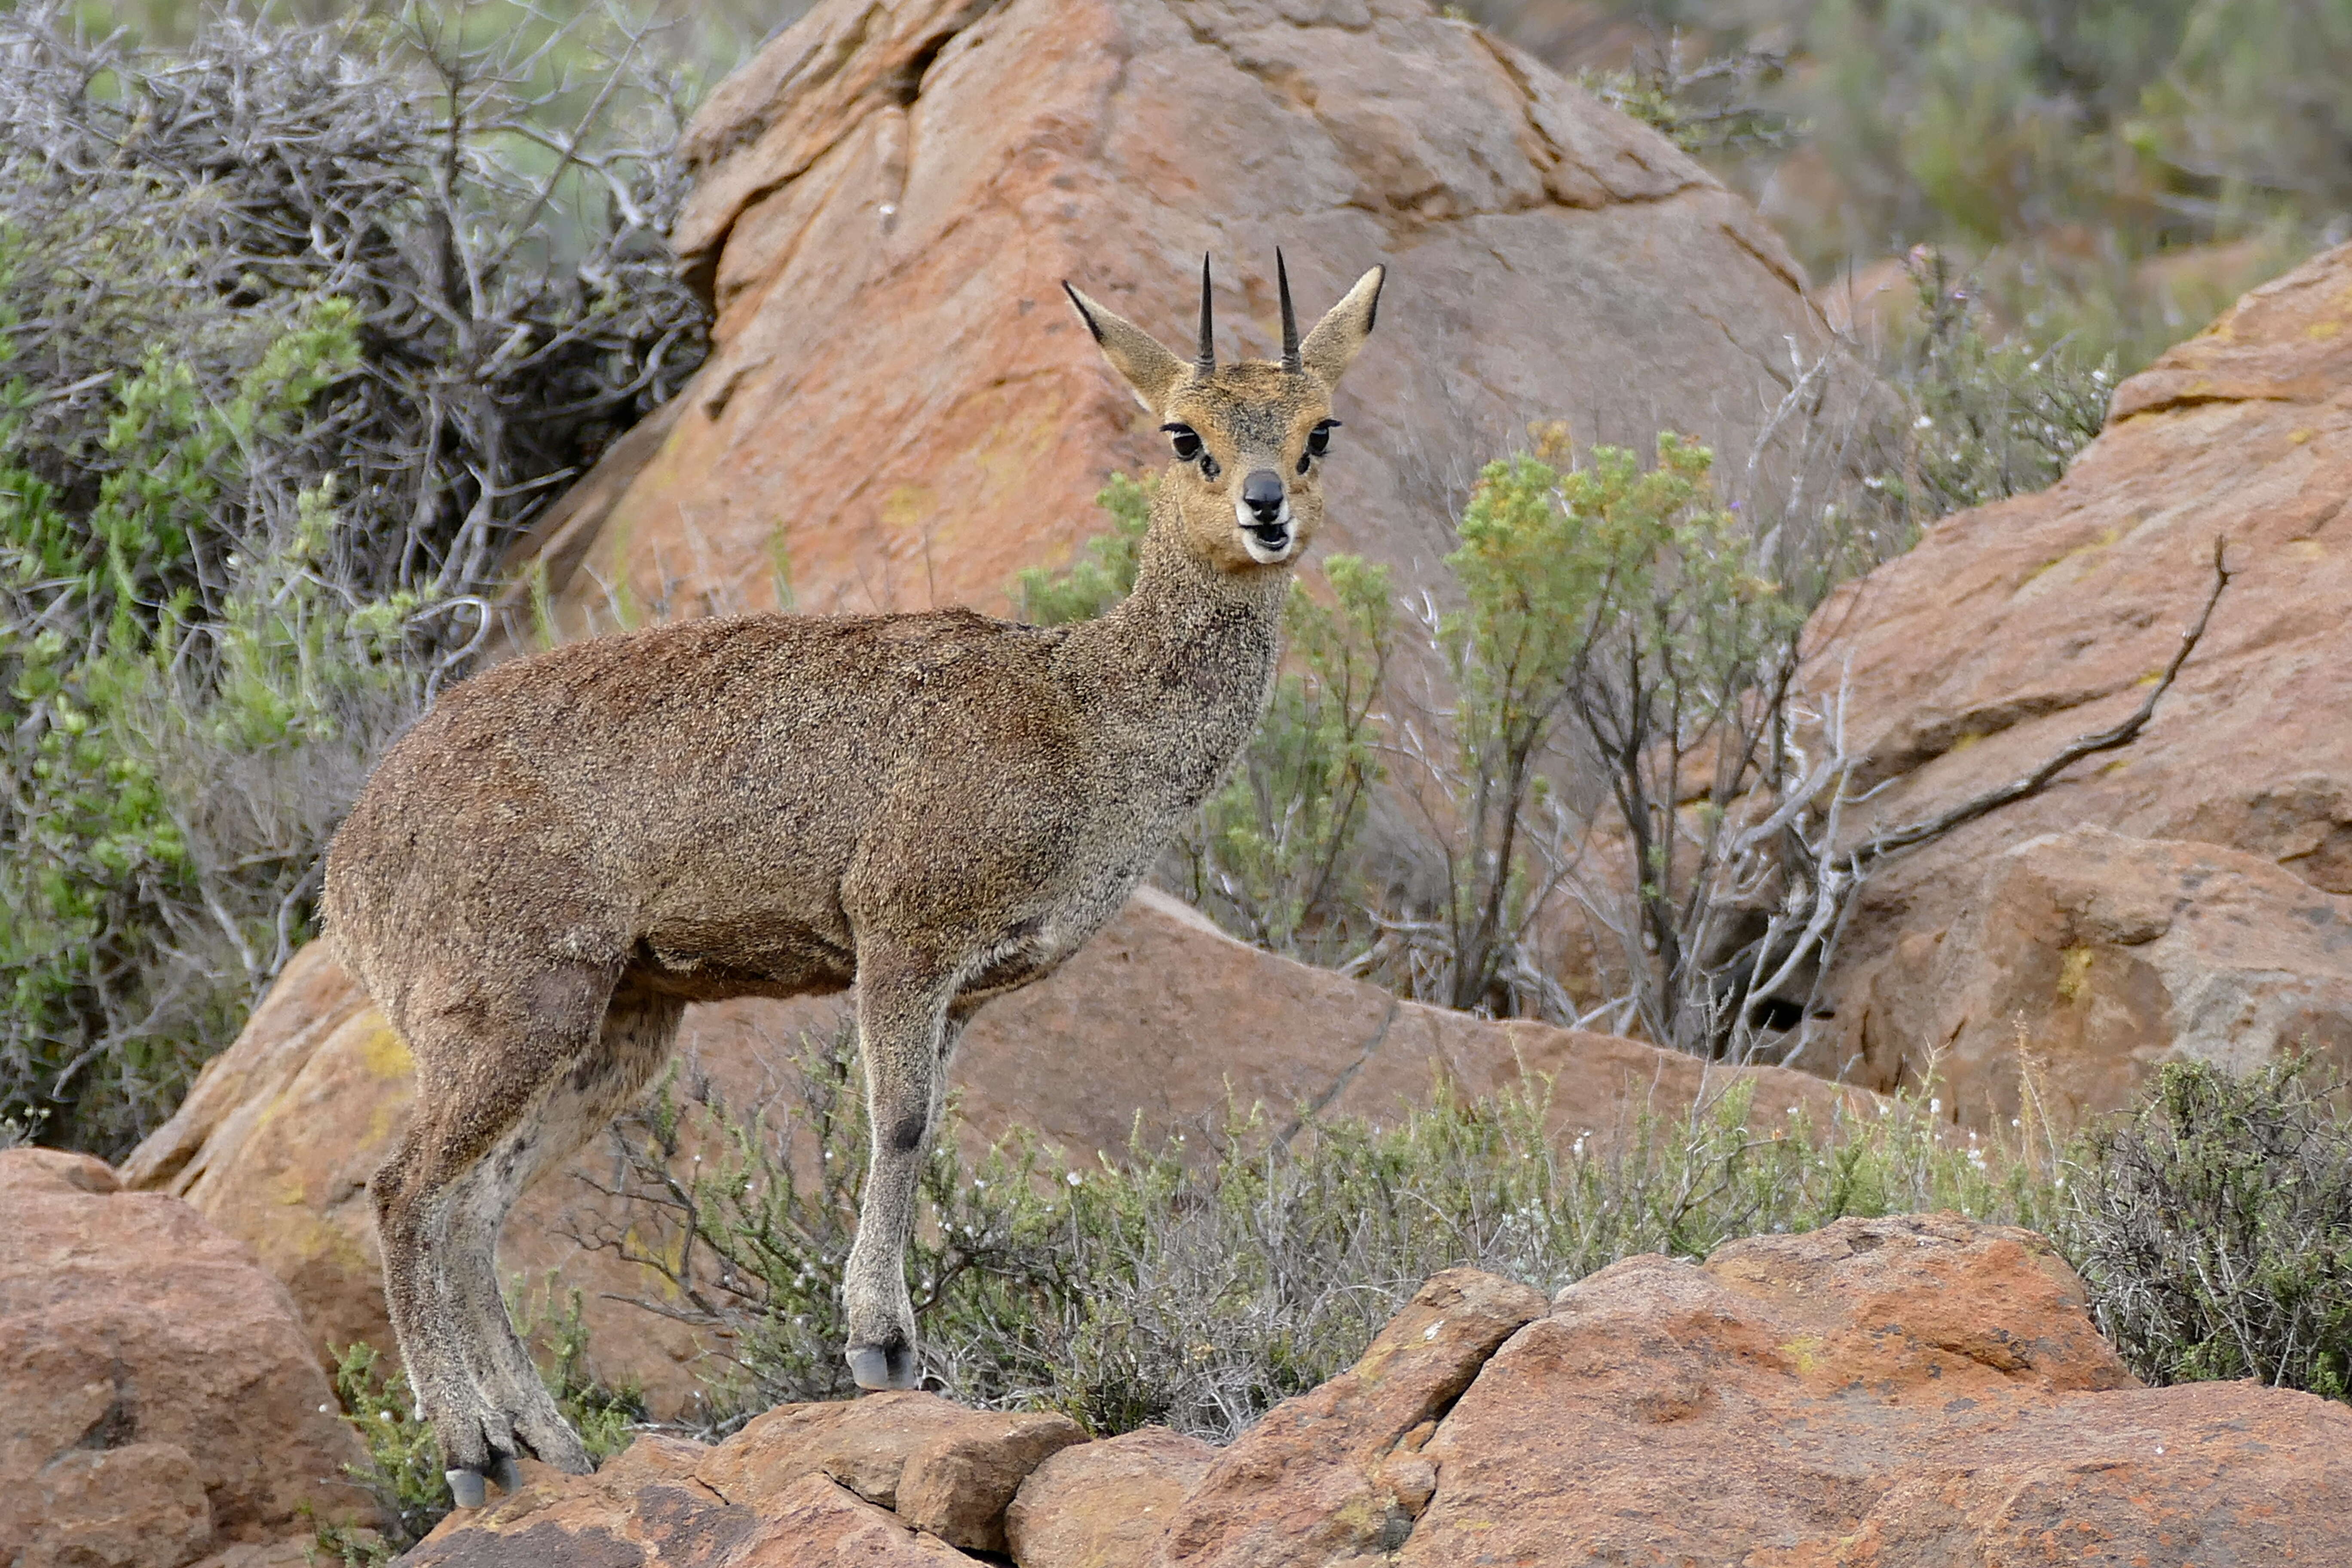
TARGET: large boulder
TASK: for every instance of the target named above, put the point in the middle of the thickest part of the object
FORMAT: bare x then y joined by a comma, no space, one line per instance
1912,1393
2088,958
902,407
2012,628
163,1403
1151,1027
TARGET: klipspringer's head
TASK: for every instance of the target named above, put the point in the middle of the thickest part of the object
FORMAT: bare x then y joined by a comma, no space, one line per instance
1250,437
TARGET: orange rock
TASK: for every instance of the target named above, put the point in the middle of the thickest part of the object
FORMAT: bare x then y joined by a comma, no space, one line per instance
2106,956
887,1479
1104,1505
901,404
162,1401
1333,1476
959,1485
1917,1391
2012,628
1154,1020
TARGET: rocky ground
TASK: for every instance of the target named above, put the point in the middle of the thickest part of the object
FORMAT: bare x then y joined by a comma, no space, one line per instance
1915,1392
162,1404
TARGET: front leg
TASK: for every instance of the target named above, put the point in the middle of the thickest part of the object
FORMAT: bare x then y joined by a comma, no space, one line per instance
902,1003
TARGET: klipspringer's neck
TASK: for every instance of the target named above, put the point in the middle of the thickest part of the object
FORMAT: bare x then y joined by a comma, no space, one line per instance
1186,661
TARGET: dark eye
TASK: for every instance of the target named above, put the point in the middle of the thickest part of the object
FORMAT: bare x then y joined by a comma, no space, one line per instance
1319,442
1187,443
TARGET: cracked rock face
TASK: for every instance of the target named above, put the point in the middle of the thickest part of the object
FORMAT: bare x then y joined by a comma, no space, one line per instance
1920,1392
275,1142
901,405
2214,926
161,1402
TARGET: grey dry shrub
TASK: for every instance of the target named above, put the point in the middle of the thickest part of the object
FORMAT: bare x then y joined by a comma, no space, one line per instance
1195,1282
298,327
2213,1225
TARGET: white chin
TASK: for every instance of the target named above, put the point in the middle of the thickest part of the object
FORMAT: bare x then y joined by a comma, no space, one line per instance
1260,550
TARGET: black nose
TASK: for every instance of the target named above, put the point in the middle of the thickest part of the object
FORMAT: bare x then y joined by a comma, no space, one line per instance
1262,493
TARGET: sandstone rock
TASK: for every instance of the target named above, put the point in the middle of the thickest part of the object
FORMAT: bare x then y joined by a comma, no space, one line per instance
887,1479
944,1470
1903,1392
162,1402
1106,1504
957,1486
2012,628
2108,956
900,404
645,1505
1335,1474
1157,1018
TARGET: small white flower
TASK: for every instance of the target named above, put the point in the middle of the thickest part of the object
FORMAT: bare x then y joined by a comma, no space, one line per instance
1074,1178
1923,423
384,1416
323,1409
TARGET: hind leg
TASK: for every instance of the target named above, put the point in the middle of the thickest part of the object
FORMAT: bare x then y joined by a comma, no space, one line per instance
631,1044
491,1076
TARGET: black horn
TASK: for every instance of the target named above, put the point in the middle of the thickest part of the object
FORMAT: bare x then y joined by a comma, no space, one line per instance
1289,317
1208,359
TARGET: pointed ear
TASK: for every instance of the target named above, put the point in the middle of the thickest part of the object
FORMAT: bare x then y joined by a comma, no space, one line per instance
1150,370
1331,347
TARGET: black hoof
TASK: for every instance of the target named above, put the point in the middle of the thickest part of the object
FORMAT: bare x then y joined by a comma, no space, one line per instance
878,1367
465,1488
506,1474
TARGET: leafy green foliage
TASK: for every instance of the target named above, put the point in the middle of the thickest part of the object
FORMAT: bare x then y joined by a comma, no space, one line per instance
2115,171
1104,572
298,325
1617,616
1199,1281
2214,1227
160,716
404,1462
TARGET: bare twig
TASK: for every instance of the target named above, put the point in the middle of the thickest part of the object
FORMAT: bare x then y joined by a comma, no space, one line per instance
1909,836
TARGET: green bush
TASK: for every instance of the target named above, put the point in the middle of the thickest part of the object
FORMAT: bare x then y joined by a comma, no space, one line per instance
2214,1227
1104,572
1992,418
1197,1281
2067,150
300,326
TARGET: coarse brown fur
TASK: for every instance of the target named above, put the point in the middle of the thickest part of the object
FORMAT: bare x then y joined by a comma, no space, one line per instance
939,807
